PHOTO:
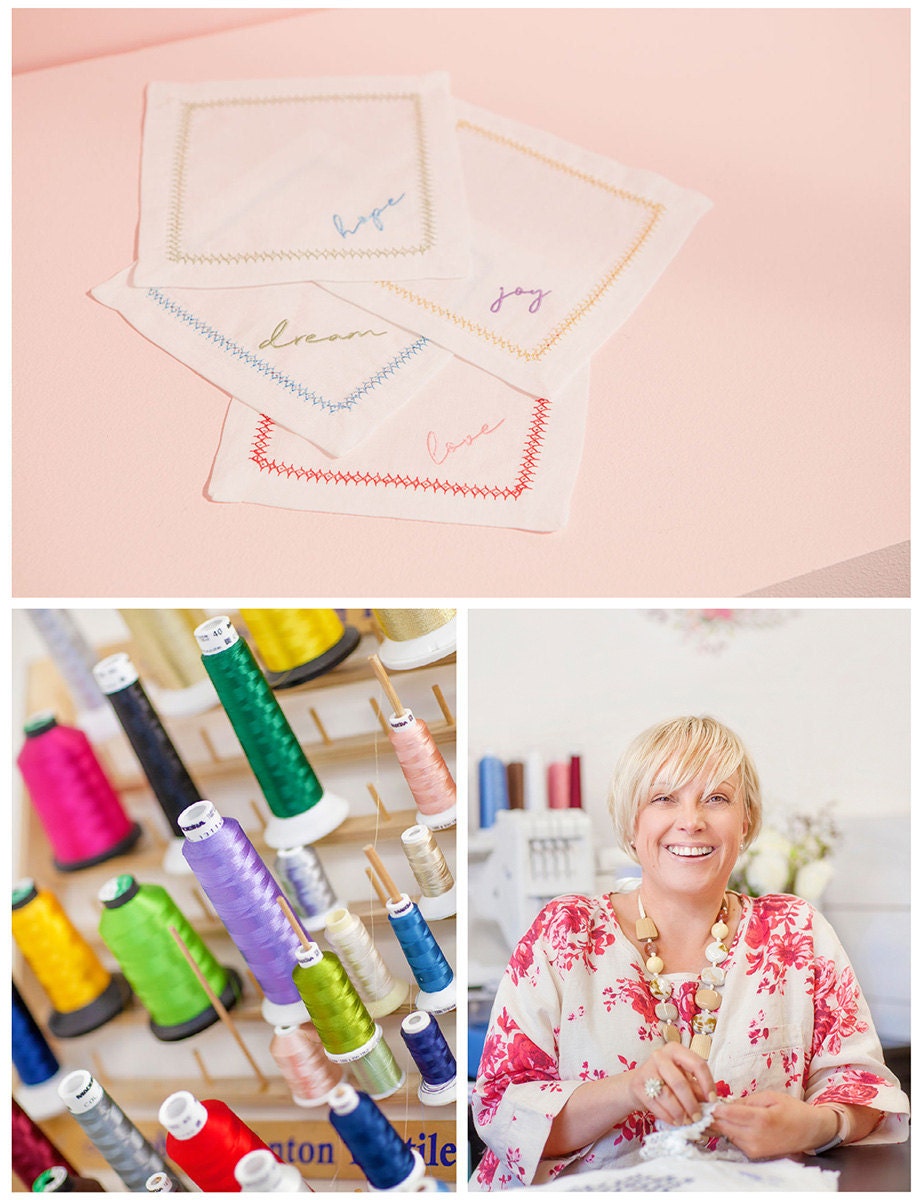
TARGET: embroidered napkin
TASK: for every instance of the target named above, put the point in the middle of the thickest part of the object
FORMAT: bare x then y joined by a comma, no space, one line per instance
467,449
566,244
280,181
316,364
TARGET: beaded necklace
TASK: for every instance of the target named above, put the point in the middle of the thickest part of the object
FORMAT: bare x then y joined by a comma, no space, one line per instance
711,978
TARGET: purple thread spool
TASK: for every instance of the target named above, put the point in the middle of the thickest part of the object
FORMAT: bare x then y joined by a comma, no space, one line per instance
245,897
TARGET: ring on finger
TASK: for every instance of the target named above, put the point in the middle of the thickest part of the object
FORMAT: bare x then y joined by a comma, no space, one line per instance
653,1086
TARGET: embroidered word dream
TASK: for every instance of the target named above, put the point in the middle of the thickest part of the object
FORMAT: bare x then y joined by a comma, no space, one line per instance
274,339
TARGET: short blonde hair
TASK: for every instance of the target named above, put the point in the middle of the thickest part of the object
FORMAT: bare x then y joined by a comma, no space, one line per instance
684,747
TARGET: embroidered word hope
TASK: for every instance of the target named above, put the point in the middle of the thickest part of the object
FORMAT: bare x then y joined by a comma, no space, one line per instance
373,218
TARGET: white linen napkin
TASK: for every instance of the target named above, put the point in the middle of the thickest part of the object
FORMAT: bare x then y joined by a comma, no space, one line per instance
322,367
566,244
290,180
467,449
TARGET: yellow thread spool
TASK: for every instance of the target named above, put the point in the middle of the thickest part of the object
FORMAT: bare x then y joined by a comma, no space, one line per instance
82,992
297,644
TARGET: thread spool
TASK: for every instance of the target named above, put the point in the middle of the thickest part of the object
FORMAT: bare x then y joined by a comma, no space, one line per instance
425,770
159,1182
57,1179
302,811
575,785
79,809
386,1162
536,792
492,794
135,925
121,1144
433,1185
207,1140
299,1054
414,637
83,994
380,991
435,1061
298,644
428,964
165,770
431,871
32,1150
245,896
35,1062
261,1171
74,657
558,785
304,880
343,1023
164,646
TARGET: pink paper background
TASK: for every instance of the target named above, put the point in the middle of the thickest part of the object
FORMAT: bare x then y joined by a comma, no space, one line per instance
747,425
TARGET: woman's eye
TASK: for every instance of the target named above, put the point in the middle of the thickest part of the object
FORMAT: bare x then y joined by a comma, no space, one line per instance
718,798
661,799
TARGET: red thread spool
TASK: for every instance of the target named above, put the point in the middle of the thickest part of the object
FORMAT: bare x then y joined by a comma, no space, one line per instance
32,1151
79,810
207,1139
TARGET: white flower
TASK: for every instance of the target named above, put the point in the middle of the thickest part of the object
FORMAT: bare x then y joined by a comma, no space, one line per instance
812,878
770,841
767,872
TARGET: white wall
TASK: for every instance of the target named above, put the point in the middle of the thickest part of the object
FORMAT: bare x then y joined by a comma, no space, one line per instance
821,700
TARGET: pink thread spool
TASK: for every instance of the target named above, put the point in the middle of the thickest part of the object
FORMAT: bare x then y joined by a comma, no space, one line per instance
425,770
79,810
299,1054
559,785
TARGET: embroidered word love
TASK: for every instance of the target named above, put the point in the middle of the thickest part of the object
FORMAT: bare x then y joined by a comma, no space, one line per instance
533,307
374,218
273,339
439,456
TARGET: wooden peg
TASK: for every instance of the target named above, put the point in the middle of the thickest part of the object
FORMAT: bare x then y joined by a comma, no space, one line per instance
99,1071
379,803
202,902
209,745
386,685
325,738
444,708
258,813
376,709
373,879
201,1065
294,922
394,892
219,1008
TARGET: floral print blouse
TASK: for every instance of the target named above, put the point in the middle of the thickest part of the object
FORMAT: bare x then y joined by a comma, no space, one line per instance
574,1005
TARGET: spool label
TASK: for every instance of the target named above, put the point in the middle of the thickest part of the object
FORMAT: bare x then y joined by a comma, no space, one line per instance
403,721
216,635
88,1097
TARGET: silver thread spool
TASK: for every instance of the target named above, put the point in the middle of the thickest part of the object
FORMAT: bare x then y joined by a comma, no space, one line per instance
304,881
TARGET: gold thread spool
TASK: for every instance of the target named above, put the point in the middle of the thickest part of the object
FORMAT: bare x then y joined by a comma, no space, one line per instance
166,646
426,860
403,624
68,970
289,637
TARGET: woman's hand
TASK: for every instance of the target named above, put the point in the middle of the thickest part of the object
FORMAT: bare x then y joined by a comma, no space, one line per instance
687,1083
771,1124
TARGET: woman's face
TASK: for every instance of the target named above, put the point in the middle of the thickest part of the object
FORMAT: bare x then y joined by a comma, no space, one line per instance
687,838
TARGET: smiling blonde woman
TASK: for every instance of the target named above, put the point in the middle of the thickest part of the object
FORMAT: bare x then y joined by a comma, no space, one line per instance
622,1009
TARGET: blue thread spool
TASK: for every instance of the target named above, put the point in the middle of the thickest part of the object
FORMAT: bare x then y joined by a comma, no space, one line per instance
435,1061
432,972
38,1069
373,1142
492,789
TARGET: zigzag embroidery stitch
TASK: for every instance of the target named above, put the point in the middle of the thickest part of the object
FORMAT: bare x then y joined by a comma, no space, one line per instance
259,454
270,372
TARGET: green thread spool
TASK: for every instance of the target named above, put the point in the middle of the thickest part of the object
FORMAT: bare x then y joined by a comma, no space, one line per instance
347,1032
302,811
341,1019
135,925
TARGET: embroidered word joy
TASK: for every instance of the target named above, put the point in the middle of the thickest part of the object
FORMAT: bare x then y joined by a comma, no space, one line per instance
279,331
533,307
439,455
374,218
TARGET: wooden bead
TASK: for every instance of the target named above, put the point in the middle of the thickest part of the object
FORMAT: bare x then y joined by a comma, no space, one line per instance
708,998
645,929
654,964
700,1045
666,1012
672,1034
719,931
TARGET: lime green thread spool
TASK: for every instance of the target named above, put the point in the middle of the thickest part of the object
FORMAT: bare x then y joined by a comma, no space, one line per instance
348,1033
301,810
135,925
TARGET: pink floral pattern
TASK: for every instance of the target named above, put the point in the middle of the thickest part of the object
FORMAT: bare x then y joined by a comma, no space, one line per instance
792,1019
